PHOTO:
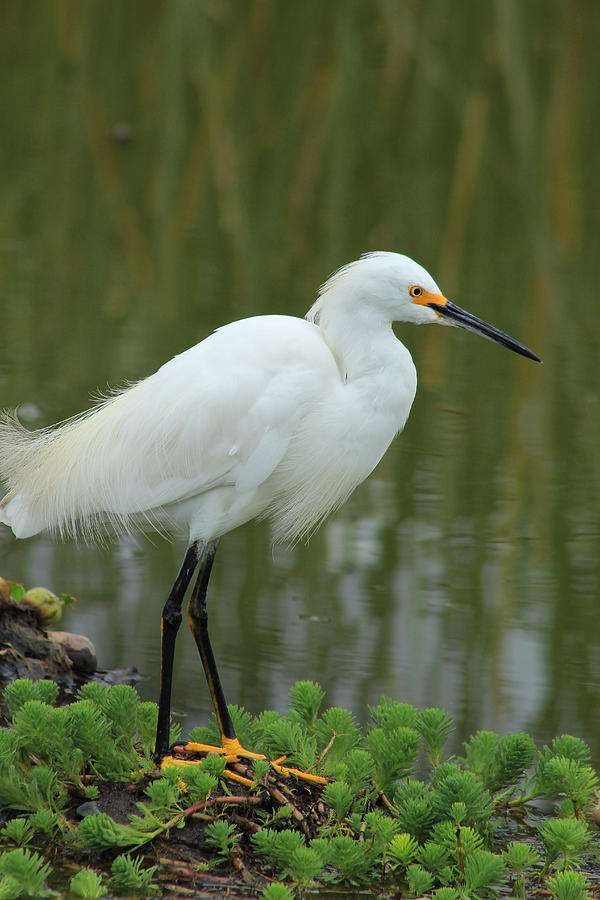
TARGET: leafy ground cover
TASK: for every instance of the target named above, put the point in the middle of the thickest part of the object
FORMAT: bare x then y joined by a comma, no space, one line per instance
86,814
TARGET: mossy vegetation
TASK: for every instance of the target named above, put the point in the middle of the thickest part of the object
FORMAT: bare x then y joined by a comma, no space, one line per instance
86,813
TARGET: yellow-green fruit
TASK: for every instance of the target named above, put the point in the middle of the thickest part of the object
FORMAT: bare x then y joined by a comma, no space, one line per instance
46,604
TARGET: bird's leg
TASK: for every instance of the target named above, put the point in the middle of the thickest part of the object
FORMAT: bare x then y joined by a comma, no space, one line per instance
198,621
171,620
230,745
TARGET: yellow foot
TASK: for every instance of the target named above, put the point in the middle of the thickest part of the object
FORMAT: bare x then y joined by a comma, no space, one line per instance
233,752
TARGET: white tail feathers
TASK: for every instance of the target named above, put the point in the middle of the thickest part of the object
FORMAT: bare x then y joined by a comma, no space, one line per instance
71,479
40,470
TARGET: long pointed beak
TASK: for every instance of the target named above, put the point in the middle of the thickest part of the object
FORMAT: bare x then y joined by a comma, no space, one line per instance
464,319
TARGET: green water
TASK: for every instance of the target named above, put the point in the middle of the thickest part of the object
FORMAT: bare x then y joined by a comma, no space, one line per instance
167,167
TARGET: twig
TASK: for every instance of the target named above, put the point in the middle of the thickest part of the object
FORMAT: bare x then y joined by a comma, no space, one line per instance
389,806
202,817
245,823
459,853
323,753
239,866
276,793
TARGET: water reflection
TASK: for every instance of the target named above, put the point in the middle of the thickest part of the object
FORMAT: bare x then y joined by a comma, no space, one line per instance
217,162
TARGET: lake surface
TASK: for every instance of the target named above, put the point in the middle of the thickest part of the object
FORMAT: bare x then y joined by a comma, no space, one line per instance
169,167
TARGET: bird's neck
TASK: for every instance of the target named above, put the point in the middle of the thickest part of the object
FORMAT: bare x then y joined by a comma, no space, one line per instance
362,346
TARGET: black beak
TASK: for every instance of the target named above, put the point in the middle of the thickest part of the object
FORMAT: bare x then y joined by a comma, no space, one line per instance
464,319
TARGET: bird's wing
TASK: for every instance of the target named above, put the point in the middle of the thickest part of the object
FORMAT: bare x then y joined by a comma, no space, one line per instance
220,414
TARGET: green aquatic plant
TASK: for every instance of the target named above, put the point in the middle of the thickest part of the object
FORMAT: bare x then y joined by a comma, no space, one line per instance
566,841
129,878
277,891
420,881
17,831
19,692
339,797
357,771
277,736
500,762
23,869
519,857
435,727
288,850
348,860
394,752
413,807
392,714
375,822
453,784
401,851
87,885
336,734
484,873
575,781
222,837
306,698
569,885
303,865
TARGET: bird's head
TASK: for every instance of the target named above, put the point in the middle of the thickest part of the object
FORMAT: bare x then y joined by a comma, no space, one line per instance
389,287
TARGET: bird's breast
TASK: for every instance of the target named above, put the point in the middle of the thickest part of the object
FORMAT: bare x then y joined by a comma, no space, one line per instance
336,446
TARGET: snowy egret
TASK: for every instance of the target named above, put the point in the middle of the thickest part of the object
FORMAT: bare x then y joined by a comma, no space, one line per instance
269,416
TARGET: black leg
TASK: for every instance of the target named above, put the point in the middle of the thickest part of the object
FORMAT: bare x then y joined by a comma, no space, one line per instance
203,555
198,619
171,620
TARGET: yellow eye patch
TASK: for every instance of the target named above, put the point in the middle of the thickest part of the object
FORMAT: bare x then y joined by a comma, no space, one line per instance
424,298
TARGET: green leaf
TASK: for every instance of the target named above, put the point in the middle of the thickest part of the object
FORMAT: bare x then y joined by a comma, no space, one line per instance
221,835
380,830
568,838
199,783
128,877
352,860
484,870
452,784
519,856
303,865
357,770
402,850
337,733
339,797
306,698
27,868
419,880
100,832
569,885
87,885
17,831
434,856
413,802
391,714
17,591
277,891
434,725
23,690
394,754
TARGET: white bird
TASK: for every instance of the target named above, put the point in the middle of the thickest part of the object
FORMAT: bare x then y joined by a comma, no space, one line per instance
271,416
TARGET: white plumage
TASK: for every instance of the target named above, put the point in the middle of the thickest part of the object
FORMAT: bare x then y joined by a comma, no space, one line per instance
272,415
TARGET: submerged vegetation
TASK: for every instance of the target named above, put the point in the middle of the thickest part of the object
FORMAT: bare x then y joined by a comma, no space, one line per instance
86,811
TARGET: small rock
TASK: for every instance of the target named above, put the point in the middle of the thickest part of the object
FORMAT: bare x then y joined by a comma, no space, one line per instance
78,648
89,808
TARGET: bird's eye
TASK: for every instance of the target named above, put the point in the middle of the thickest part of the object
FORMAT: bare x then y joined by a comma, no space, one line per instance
415,291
